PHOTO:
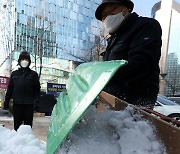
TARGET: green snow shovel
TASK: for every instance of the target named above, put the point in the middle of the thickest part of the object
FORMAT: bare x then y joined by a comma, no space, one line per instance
82,89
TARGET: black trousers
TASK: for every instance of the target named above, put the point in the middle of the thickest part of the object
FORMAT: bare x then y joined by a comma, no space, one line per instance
23,114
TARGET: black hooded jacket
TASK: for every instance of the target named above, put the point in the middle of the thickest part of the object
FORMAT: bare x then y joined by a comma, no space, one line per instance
138,40
24,87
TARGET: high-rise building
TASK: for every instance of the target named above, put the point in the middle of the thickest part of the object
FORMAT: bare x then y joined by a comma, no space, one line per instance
57,33
167,12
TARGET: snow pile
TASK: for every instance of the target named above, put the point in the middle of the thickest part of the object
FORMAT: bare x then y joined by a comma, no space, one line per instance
112,132
21,142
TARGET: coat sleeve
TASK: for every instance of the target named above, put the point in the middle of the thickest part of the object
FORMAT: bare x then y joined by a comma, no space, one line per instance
144,52
36,87
10,88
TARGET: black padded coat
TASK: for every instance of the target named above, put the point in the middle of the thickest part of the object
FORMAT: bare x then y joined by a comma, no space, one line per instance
138,40
24,87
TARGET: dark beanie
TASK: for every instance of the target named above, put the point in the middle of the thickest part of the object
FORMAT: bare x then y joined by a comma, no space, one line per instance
127,3
24,55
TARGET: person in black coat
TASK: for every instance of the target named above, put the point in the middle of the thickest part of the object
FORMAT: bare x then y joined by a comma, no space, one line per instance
24,89
137,40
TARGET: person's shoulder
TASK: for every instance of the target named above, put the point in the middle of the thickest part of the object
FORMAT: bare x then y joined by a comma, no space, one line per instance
15,72
148,20
33,72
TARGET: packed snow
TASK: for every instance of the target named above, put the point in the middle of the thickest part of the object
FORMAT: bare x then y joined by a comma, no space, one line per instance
21,142
111,132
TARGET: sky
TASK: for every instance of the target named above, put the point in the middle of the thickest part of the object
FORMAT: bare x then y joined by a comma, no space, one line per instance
143,7
96,133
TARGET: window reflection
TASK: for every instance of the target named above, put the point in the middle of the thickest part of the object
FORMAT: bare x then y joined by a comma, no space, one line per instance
68,24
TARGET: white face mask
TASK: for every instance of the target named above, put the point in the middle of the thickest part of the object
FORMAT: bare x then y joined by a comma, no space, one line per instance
24,63
112,22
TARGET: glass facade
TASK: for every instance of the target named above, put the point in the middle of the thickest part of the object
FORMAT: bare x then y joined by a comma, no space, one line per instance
171,43
173,57
6,29
63,29
52,30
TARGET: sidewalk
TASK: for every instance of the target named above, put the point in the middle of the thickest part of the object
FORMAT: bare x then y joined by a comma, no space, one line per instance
40,125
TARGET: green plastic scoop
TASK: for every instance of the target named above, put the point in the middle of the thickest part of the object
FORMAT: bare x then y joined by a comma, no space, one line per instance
82,88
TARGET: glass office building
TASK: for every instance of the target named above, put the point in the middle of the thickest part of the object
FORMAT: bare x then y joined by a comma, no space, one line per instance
56,33
6,33
171,43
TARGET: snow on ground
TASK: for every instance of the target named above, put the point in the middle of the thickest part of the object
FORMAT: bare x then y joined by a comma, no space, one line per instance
21,142
112,132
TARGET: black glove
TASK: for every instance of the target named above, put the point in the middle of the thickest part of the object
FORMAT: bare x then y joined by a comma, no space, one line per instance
6,105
